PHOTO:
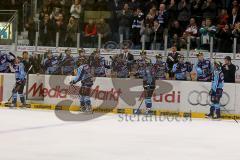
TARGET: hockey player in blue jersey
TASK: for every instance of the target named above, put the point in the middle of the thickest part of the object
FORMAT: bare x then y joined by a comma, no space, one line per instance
145,72
98,65
6,60
160,68
181,68
67,63
142,64
51,64
84,75
203,69
216,91
120,66
148,85
20,76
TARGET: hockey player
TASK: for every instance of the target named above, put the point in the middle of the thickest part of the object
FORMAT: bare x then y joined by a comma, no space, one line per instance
81,54
160,68
67,63
216,91
142,64
145,71
99,66
20,76
51,64
148,85
120,66
181,68
203,69
6,60
84,75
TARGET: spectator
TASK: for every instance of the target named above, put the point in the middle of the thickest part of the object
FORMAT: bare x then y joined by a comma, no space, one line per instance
124,18
235,5
90,33
206,31
229,70
150,4
192,31
100,5
45,10
55,13
175,30
209,9
156,36
134,4
184,15
46,31
162,16
236,34
104,30
60,28
172,58
151,16
225,36
234,18
138,18
183,41
31,28
71,36
172,11
76,9
222,19
196,8
145,33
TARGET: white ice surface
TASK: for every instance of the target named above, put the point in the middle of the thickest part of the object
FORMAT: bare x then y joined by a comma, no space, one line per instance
40,135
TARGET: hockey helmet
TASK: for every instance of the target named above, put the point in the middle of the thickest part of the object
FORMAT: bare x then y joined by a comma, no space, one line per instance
159,56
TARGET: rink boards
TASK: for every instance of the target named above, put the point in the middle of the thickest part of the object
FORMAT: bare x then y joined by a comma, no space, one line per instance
113,95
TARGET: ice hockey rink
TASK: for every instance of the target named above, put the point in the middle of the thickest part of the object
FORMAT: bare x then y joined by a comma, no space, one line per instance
30,134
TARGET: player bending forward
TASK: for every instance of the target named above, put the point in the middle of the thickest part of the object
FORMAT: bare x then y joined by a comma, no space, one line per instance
84,75
216,91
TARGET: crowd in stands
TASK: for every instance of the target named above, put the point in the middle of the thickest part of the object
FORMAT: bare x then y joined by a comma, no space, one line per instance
140,21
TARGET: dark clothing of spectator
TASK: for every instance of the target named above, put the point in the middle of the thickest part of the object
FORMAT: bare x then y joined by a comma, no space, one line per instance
209,10
172,13
229,73
61,29
232,20
136,27
162,18
46,33
184,15
124,20
173,30
171,60
157,35
225,41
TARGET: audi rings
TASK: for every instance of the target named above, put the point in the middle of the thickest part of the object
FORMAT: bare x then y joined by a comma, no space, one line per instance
203,98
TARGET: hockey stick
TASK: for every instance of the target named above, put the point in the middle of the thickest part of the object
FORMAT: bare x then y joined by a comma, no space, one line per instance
9,99
138,109
234,118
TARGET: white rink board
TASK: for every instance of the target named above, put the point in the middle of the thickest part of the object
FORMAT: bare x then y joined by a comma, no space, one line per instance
183,96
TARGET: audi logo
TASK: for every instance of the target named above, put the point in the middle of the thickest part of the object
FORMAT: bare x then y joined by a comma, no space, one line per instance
203,98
